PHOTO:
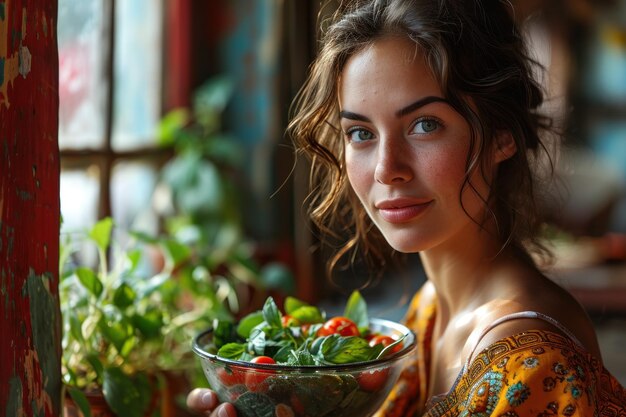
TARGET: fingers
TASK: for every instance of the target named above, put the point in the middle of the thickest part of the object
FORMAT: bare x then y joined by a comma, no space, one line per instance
205,401
224,410
202,400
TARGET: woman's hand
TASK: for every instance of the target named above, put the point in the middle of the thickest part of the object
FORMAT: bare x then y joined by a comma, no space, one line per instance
205,401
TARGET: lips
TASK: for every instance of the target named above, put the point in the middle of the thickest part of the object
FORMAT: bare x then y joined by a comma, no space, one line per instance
402,210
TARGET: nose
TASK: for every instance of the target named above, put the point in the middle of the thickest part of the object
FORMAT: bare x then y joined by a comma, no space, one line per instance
393,165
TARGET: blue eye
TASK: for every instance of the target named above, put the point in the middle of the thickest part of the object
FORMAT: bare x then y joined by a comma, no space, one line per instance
359,135
426,126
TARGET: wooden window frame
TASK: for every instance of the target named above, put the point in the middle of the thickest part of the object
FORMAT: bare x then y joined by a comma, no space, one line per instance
175,92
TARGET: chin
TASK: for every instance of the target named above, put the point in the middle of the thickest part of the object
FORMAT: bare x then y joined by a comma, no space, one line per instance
409,245
407,249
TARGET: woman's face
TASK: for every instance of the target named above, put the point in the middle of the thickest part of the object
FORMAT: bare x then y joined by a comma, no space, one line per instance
406,149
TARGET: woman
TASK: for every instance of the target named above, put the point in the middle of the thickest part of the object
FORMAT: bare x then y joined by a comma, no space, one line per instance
421,121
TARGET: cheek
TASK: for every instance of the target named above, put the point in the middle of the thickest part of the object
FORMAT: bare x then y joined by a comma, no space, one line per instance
358,176
445,171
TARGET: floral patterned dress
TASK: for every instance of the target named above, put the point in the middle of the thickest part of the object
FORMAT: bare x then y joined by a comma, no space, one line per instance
535,373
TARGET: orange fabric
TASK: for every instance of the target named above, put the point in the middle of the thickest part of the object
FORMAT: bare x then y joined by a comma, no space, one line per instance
536,373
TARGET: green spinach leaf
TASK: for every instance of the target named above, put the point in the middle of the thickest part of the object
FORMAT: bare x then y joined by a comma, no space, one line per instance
248,323
271,314
356,310
339,350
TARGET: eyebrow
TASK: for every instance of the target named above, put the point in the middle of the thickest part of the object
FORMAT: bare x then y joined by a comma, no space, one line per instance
353,116
420,103
400,113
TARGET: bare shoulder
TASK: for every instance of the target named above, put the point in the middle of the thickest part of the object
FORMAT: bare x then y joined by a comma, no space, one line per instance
537,293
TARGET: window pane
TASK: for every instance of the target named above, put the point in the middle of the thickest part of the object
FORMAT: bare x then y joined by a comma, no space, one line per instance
137,95
79,208
79,198
132,186
82,81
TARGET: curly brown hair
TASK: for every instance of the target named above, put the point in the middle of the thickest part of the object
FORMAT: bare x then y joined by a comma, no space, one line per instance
481,63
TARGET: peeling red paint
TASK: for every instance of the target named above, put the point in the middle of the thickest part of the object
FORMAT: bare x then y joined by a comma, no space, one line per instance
30,345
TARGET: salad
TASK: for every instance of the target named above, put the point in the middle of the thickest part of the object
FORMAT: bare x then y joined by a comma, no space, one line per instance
298,362
303,335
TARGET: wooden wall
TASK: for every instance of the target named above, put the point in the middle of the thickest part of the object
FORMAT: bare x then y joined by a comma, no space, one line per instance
30,334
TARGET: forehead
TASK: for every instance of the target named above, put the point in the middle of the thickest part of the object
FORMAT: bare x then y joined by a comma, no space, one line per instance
392,69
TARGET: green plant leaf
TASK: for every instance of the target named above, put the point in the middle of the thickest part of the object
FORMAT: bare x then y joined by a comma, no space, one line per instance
316,345
271,314
176,251
232,350
280,350
89,280
124,296
129,344
356,310
225,149
257,341
101,233
301,358
126,396
247,323
115,330
70,377
149,323
96,365
206,194
339,350
211,98
171,124
75,325
292,304
179,172
81,401
133,256
65,251
222,332
308,315
143,237
260,404
89,325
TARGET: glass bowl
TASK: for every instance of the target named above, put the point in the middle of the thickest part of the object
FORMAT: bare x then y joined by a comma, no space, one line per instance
264,390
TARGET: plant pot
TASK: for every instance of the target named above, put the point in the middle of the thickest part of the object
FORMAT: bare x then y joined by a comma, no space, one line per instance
98,405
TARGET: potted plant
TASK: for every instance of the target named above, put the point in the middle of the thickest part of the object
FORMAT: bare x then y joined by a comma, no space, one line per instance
129,318
128,327
125,326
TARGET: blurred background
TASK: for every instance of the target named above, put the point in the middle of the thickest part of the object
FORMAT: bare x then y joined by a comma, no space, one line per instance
177,109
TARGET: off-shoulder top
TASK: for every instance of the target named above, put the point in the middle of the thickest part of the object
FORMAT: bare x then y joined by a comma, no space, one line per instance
534,373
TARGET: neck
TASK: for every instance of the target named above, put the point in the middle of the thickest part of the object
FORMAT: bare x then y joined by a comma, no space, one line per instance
461,268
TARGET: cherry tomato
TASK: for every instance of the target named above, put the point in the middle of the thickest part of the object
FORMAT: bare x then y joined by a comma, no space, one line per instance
288,321
296,404
230,376
339,325
385,341
371,381
255,378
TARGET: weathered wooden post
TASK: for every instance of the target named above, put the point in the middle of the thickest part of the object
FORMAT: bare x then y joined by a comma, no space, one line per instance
30,333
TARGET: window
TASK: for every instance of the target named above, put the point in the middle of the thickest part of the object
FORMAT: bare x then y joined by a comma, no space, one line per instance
110,70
